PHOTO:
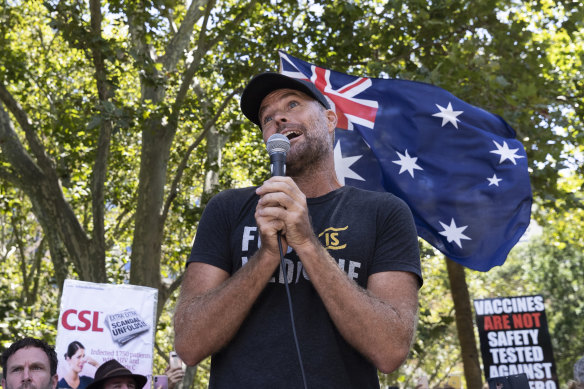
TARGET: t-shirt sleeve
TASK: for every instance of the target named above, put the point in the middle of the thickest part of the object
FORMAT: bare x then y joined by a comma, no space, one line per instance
211,244
397,246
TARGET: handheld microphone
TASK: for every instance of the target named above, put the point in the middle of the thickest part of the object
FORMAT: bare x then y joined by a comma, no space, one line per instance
277,146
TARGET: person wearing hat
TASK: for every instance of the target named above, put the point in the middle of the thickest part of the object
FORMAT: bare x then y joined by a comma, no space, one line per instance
113,375
352,264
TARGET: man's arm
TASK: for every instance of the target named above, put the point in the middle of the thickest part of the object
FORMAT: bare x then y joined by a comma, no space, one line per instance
212,305
379,321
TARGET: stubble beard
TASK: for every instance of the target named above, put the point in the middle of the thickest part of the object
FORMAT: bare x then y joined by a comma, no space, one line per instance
307,156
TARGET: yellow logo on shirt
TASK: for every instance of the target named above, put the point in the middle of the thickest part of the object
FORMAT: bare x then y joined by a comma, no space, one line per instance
331,238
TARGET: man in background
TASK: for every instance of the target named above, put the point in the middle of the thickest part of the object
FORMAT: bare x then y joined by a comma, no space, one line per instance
29,363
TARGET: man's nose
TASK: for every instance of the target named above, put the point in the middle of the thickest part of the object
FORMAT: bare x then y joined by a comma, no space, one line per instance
26,374
280,117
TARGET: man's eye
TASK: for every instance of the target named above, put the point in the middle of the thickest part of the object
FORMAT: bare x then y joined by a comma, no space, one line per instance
267,119
292,104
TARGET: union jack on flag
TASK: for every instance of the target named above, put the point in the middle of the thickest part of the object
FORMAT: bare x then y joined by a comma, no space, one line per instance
458,167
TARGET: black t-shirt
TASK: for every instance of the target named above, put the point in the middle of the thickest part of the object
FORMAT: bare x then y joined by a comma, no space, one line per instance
366,232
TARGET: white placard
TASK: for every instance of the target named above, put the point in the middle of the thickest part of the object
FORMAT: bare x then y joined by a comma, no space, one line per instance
110,322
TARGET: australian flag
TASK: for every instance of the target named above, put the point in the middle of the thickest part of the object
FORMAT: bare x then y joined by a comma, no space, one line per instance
458,167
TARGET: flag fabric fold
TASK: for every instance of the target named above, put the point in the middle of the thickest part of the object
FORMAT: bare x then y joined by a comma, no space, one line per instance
458,167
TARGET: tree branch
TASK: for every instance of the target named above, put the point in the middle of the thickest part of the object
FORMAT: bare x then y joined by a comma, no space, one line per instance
35,272
180,41
189,74
183,163
144,52
104,140
22,252
121,225
198,54
49,205
34,142
175,284
13,149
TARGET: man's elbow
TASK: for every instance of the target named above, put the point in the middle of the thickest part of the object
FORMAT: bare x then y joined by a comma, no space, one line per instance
189,354
389,361
188,347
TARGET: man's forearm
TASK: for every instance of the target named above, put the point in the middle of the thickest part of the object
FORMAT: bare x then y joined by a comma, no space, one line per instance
209,313
379,322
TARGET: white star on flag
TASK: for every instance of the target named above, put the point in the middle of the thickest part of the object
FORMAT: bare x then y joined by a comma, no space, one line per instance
407,163
342,165
448,115
506,153
454,233
494,180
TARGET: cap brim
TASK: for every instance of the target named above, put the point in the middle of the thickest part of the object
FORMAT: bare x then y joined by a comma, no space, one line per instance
263,84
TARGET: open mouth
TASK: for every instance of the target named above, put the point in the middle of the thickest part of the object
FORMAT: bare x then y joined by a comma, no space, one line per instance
292,134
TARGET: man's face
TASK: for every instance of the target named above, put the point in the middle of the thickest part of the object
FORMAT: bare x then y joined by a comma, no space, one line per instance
120,383
304,121
29,368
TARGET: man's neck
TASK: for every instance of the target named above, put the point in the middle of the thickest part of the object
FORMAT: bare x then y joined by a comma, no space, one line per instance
316,183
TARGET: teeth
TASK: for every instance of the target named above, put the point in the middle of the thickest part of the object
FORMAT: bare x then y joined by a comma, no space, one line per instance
292,134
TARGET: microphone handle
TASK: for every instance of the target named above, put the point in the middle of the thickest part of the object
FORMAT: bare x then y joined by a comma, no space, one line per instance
278,164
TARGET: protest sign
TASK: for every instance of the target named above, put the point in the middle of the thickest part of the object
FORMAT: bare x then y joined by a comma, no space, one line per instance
514,339
99,322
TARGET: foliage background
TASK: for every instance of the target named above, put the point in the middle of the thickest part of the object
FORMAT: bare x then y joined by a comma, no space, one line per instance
119,119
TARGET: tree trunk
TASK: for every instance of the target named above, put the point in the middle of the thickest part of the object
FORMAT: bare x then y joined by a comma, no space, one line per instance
464,325
40,182
215,143
189,378
149,226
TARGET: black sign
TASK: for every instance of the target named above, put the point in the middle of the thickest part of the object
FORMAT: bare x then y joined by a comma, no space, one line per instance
514,338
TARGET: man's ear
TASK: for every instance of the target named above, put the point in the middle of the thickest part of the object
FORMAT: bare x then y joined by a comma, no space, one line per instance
3,383
54,378
331,117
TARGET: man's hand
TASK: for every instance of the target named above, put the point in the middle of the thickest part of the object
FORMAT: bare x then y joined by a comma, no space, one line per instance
282,207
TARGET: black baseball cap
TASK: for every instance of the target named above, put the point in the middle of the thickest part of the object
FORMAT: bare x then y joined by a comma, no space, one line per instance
265,83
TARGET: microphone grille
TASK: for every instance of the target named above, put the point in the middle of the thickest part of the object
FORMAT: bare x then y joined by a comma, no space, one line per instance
277,143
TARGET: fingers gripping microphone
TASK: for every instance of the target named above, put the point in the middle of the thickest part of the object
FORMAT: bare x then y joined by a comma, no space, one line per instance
277,146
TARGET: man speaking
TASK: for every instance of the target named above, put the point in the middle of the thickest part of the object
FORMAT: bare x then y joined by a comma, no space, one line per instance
351,264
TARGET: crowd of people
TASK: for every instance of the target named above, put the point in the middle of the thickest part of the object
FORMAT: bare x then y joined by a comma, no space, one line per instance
31,363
